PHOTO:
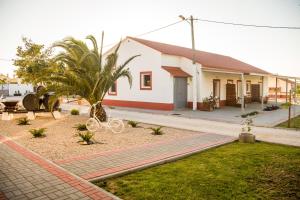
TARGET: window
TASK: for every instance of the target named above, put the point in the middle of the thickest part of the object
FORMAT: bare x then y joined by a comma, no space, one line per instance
248,86
146,80
229,81
113,89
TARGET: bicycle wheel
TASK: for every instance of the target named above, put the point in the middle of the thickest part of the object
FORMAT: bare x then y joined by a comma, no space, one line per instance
92,125
116,125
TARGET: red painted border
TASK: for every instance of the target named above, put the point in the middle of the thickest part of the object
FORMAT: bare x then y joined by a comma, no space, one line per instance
66,177
141,75
139,104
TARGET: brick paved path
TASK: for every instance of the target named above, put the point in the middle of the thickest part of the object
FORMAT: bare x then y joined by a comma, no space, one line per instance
25,175
111,163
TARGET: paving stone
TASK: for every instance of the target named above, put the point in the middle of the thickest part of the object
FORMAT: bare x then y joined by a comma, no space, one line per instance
99,165
24,175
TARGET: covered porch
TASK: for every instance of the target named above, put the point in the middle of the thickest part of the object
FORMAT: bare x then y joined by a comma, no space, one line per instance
233,89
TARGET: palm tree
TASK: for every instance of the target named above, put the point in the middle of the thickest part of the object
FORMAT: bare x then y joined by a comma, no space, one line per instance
84,74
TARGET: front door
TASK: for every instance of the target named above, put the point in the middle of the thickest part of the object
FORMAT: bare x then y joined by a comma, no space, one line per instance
180,92
217,90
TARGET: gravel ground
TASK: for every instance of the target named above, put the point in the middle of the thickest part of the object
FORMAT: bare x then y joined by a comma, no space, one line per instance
61,141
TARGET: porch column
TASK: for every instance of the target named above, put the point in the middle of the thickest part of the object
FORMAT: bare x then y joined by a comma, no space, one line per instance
262,93
286,90
276,91
243,96
195,99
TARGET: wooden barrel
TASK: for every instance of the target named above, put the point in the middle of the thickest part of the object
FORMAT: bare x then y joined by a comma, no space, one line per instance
31,102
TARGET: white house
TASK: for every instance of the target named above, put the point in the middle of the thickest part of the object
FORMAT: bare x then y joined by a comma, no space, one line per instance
165,78
13,86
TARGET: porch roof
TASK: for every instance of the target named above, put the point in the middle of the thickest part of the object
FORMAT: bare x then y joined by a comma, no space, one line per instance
176,71
208,60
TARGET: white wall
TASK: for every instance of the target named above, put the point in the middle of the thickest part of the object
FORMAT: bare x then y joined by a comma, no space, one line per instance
22,88
150,60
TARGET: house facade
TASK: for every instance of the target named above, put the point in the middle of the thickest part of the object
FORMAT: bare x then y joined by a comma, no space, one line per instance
167,77
13,87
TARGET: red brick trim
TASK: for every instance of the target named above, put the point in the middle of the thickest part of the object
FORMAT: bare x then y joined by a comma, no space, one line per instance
68,178
162,157
141,80
111,152
139,104
113,93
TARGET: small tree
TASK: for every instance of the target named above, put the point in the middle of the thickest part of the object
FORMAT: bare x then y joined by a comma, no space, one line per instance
33,62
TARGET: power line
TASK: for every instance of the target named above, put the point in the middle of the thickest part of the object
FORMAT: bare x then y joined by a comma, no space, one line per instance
152,31
248,25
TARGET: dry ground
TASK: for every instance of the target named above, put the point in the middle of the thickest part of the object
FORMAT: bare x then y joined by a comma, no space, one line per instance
61,140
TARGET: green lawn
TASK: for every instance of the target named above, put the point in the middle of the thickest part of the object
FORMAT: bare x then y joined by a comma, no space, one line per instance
295,123
233,171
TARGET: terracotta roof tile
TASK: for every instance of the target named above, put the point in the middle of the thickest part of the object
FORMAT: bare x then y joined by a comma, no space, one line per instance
206,59
176,71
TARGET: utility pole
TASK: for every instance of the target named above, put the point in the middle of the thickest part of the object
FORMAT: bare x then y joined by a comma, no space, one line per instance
290,104
195,72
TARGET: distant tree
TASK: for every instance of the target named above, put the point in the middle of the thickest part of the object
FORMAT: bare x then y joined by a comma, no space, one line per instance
33,62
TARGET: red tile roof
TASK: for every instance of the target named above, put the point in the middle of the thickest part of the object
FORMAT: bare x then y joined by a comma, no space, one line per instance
206,59
176,71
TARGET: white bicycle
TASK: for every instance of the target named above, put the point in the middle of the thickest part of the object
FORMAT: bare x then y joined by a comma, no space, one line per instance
93,124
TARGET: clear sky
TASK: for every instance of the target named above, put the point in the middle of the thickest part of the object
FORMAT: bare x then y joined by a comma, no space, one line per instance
46,21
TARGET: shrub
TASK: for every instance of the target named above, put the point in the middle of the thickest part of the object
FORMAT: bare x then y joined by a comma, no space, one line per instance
80,127
271,108
74,112
86,137
249,114
156,131
38,132
59,109
23,121
133,124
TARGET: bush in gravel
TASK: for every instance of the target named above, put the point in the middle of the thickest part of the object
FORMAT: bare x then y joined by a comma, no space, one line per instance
74,112
23,121
133,124
157,131
86,137
249,114
38,132
80,127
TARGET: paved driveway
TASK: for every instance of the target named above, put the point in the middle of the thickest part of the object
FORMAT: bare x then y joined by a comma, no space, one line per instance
274,135
225,114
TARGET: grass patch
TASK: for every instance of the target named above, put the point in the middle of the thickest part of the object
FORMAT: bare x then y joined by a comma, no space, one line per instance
233,171
295,123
